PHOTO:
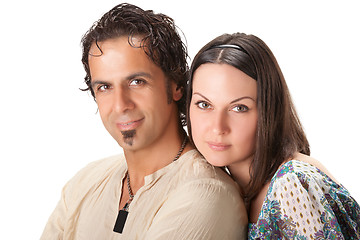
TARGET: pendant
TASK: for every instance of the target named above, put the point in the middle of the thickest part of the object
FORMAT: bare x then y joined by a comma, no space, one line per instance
120,221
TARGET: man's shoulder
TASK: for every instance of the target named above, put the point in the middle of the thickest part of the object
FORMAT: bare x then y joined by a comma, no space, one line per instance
102,166
206,188
200,196
96,171
195,169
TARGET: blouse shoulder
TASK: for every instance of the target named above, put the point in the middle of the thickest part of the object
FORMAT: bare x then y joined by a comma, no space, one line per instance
303,202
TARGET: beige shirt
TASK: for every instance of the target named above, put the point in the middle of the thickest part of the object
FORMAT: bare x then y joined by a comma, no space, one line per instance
187,199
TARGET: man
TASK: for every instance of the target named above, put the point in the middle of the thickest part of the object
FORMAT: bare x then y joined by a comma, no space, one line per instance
161,188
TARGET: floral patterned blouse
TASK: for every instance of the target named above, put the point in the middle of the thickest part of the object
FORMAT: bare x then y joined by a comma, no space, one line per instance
302,202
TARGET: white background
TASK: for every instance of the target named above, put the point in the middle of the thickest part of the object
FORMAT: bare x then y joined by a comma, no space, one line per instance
49,129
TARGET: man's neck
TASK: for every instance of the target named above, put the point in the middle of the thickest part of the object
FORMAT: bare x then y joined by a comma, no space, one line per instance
149,160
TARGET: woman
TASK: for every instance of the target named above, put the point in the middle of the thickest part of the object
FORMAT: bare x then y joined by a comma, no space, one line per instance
241,116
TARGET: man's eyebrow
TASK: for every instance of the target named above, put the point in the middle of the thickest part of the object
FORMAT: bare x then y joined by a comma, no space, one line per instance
131,76
138,74
98,82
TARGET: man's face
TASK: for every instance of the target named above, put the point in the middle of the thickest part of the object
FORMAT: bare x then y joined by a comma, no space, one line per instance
131,94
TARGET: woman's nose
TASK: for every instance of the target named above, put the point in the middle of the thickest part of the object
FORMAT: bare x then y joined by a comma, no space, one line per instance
220,124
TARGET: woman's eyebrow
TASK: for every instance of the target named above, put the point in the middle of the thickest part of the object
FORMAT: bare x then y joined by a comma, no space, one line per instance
241,98
236,100
197,93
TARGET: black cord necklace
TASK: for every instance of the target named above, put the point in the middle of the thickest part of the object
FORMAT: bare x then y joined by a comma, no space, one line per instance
123,213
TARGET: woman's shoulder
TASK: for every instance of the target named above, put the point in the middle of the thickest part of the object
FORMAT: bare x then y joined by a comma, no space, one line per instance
306,160
302,200
303,167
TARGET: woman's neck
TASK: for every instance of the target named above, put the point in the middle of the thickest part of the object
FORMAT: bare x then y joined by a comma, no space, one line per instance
240,172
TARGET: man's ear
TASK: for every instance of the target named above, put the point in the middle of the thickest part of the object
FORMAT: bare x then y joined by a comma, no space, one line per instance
177,92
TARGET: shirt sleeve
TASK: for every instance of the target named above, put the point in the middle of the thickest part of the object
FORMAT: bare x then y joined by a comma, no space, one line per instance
61,222
294,208
54,228
201,210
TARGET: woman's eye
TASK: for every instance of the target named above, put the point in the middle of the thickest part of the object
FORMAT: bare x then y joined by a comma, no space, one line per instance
203,105
240,108
136,82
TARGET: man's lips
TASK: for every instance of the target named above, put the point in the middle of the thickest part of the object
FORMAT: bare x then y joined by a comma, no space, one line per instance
130,125
218,146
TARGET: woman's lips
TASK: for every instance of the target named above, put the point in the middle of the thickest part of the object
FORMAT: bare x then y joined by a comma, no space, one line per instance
130,125
218,146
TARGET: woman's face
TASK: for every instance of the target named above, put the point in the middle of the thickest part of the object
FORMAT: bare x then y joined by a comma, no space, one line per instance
223,114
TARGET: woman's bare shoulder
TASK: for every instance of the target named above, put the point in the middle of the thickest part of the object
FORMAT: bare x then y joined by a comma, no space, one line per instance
314,162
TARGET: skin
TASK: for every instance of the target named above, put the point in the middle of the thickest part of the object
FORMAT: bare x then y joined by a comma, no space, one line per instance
223,116
130,92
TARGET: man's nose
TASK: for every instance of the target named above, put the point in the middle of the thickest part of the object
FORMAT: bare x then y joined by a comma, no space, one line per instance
122,100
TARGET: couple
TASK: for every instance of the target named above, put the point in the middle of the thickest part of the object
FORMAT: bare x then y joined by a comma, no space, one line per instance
239,116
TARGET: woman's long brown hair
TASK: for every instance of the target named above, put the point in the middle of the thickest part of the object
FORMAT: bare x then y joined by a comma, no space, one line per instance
279,131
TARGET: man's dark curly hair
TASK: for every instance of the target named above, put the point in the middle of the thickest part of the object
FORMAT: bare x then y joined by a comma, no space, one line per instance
160,41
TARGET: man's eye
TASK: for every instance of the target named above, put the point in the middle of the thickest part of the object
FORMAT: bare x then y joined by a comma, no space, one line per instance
103,88
203,105
136,82
240,108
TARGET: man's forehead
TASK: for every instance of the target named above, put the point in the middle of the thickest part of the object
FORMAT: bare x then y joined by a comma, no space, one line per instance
97,47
